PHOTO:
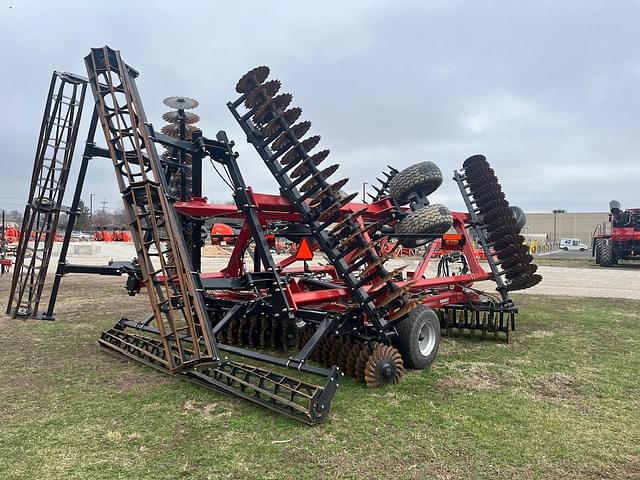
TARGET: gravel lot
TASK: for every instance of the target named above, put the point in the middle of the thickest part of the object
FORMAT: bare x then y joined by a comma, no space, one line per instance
617,282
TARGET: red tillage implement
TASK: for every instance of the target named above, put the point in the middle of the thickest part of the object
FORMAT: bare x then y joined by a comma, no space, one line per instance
345,313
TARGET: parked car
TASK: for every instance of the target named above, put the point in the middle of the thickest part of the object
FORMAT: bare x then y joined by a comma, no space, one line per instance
80,236
567,244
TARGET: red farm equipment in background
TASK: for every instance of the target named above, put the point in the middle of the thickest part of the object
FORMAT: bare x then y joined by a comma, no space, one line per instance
341,303
111,234
221,232
618,239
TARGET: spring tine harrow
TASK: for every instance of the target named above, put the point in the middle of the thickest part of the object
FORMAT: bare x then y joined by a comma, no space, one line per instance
173,286
56,143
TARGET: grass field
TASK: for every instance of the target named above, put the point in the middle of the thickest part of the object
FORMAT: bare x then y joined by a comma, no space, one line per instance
567,262
561,401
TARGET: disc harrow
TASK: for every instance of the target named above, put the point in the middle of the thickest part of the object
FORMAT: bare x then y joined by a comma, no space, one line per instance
496,226
270,128
180,124
373,363
349,316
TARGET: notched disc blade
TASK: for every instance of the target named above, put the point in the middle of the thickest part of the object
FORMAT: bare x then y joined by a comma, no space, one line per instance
270,109
263,93
173,130
174,117
275,126
252,79
294,154
180,103
315,159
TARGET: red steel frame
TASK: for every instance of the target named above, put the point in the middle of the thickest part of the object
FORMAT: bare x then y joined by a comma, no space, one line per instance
443,290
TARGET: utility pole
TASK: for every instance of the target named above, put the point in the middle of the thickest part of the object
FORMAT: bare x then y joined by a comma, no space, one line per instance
104,205
555,224
91,195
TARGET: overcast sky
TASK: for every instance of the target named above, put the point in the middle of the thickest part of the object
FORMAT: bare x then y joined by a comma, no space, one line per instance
549,91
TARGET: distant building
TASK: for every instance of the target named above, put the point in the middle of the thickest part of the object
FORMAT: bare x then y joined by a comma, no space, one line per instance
568,225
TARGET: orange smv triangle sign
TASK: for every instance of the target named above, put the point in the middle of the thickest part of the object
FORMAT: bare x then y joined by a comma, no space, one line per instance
304,251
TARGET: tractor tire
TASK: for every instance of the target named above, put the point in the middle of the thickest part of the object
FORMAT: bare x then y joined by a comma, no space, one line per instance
520,216
424,176
418,338
607,257
430,220
597,248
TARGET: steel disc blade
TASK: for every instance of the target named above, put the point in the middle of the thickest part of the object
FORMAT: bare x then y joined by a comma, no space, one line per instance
507,252
487,197
326,173
315,159
262,93
501,222
275,125
294,154
524,282
474,160
480,176
492,205
173,130
507,241
174,117
485,187
516,259
495,214
503,231
520,270
180,103
269,110
336,187
252,79
284,141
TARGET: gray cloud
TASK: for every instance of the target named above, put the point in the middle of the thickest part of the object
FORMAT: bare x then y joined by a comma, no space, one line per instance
547,90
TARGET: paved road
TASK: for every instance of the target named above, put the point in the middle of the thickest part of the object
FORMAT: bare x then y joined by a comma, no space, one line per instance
622,281
569,255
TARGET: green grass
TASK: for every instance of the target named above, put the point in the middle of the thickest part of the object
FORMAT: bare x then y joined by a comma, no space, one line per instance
566,262
561,401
